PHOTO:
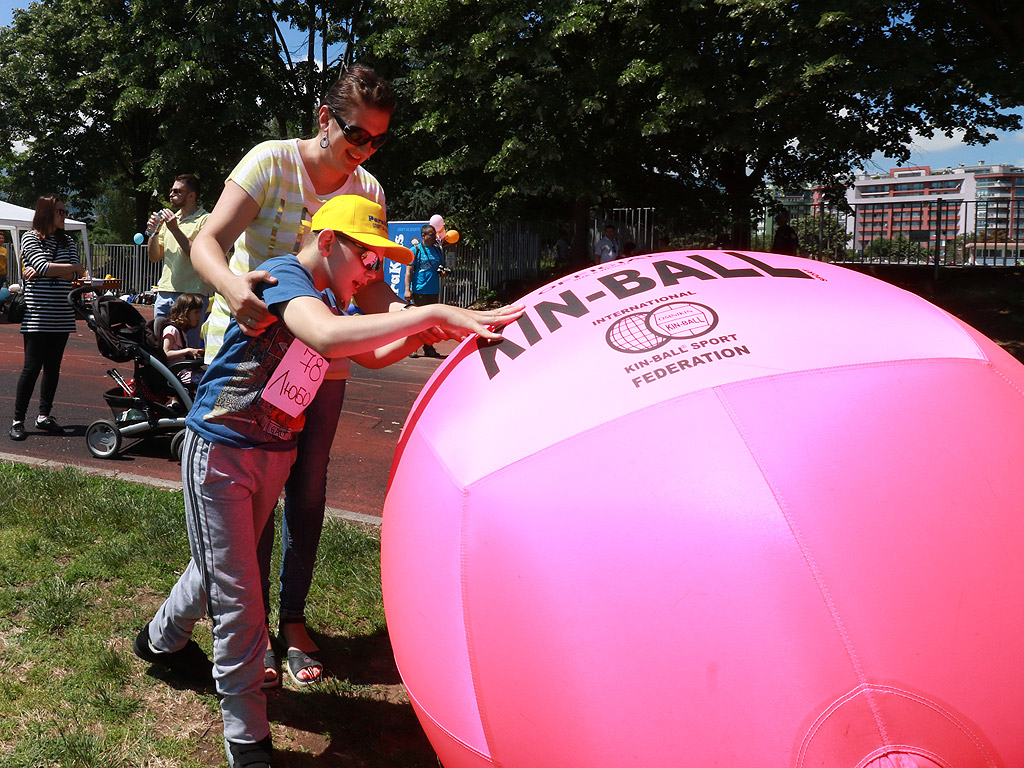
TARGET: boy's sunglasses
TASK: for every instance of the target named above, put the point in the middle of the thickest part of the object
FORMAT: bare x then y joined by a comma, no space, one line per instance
371,261
358,136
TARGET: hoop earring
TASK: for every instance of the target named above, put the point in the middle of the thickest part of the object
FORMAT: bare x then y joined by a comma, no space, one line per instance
324,143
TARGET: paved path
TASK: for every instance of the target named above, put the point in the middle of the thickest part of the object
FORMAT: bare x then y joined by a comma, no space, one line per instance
376,406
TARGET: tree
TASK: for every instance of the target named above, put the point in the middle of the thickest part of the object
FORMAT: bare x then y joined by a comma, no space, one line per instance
581,103
115,217
516,103
898,250
822,236
992,31
99,92
335,22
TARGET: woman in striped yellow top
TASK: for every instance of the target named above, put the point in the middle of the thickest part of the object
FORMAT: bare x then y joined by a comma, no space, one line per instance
264,211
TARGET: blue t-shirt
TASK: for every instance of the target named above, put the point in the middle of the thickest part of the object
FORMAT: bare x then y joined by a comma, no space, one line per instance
426,260
228,407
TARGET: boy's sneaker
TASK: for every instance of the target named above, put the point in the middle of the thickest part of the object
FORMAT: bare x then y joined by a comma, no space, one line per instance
18,431
48,424
190,662
249,755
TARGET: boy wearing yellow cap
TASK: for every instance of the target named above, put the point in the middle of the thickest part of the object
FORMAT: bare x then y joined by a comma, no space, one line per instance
241,438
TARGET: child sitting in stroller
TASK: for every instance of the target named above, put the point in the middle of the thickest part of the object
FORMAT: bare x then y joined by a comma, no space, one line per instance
186,314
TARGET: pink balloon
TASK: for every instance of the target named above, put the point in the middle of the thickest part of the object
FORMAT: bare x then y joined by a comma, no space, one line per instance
714,508
437,222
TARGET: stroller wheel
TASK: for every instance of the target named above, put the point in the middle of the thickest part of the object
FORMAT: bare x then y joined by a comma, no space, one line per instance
103,439
176,443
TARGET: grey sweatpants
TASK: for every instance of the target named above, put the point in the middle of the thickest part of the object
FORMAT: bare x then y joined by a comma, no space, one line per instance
229,495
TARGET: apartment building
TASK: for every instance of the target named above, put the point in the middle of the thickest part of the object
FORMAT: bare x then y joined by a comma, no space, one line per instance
984,203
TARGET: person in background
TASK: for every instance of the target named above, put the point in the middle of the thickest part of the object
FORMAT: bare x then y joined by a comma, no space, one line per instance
3,260
171,242
50,259
561,251
186,314
423,277
608,246
785,241
264,211
628,249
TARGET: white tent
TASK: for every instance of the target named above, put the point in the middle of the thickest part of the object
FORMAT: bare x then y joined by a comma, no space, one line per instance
15,221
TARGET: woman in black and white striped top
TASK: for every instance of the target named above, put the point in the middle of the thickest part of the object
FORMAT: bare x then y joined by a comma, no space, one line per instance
50,260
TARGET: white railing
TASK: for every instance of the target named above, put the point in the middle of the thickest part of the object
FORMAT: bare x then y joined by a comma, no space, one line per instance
511,256
129,263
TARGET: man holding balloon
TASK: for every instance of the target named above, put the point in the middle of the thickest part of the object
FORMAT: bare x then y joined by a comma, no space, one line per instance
423,276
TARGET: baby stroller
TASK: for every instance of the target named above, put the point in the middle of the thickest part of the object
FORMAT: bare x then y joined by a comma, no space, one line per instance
154,400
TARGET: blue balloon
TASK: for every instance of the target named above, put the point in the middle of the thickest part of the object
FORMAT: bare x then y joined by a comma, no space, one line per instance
139,237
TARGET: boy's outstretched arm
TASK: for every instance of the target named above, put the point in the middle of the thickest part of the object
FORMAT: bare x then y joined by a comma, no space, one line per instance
382,357
346,336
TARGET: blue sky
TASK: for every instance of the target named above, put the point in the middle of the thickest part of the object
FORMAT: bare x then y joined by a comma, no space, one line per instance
941,152
937,152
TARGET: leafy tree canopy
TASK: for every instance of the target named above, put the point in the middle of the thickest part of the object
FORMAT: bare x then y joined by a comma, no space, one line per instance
636,102
544,108
138,92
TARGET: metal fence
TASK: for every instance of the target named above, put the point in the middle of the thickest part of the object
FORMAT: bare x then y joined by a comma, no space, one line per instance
984,233
129,263
987,233
510,259
632,225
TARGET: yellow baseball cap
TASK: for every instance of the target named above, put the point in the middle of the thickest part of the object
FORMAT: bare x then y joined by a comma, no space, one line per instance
364,221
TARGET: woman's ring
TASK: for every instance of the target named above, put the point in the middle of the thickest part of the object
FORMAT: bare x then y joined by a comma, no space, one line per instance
248,321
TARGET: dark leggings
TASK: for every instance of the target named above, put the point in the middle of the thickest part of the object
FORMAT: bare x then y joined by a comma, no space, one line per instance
43,352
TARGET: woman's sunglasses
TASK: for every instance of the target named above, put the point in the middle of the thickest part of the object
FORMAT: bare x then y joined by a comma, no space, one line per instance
358,136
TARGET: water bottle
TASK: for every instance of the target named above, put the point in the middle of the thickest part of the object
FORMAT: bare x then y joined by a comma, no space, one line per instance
152,229
141,237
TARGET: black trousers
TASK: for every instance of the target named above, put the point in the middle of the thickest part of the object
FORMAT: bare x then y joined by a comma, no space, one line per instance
43,352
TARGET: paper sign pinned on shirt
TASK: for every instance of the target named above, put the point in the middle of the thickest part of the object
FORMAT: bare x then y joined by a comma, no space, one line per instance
295,381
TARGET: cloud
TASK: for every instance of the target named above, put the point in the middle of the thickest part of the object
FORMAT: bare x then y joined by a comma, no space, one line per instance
938,142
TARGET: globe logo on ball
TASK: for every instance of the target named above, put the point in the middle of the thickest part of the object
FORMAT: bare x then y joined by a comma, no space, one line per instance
646,331
633,334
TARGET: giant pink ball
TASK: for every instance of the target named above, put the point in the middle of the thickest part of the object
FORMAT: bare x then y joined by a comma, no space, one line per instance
715,509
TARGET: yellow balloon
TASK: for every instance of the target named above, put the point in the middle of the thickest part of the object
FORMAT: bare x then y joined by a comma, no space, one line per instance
451,236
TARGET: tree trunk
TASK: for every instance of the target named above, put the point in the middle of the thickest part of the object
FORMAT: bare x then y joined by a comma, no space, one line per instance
145,204
740,238
580,251
739,189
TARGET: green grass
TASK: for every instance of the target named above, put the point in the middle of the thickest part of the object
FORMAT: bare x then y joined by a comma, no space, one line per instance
85,561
